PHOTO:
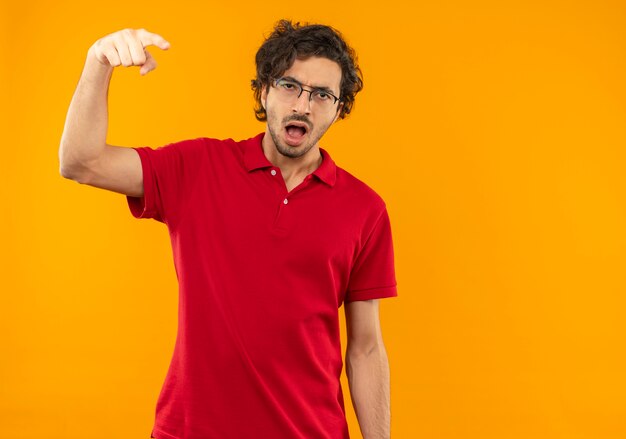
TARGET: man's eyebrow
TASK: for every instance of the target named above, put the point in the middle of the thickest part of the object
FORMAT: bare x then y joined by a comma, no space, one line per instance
315,87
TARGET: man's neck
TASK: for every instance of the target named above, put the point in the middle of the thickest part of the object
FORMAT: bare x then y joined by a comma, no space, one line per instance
292,167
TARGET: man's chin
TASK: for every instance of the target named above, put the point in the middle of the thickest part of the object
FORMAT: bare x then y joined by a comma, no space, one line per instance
292,151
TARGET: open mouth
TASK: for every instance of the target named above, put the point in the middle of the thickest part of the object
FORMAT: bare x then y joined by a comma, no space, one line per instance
296,132
296,129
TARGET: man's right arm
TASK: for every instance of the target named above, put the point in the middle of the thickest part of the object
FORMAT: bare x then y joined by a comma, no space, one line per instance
84,155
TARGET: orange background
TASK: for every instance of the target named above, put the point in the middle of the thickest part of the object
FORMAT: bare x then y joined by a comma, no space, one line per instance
494,131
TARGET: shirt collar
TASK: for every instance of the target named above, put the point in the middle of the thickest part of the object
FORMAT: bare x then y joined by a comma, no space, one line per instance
254,158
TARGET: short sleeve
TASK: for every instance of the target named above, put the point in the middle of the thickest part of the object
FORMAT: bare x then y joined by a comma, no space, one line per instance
168,176
373,273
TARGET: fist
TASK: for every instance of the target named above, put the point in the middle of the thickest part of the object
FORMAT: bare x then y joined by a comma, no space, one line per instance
127,47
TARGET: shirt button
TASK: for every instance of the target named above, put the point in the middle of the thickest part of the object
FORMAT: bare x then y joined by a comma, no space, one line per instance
273,171
285,201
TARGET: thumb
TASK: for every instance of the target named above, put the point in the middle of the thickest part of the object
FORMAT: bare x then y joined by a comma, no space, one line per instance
149,65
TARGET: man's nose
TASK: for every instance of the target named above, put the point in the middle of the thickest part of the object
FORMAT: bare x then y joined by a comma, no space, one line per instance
303,103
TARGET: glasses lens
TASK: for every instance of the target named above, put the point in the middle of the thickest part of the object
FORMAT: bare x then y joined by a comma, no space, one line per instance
322,98
288,88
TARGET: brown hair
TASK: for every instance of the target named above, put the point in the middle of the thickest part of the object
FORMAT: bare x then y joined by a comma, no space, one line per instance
289,41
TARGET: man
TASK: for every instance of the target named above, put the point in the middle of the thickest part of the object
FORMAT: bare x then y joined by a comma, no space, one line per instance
269,237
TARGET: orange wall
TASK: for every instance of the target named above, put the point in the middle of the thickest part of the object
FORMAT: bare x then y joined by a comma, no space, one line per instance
494,130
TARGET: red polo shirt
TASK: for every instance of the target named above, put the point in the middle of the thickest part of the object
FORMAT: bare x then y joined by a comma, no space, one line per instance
262,273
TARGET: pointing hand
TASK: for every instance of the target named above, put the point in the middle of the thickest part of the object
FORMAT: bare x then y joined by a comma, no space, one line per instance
127,47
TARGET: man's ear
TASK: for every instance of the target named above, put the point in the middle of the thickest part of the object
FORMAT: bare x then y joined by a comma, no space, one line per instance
339,108
264,97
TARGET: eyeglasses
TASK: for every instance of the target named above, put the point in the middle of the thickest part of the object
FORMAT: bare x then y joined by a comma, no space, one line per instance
290,89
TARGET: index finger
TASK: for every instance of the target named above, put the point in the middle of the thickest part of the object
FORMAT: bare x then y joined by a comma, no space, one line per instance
152,39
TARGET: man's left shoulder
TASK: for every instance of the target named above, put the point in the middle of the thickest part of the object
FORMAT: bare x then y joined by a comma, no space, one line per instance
359,190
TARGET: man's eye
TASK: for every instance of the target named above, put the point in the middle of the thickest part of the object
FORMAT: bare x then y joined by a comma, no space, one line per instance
288,85
322,95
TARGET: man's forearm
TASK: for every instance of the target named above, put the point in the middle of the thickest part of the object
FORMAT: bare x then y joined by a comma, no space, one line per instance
86,123
368,378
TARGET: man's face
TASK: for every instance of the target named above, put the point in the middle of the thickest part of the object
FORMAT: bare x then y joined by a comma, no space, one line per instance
297,124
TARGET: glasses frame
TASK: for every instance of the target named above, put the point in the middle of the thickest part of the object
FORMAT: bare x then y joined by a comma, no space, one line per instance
310,92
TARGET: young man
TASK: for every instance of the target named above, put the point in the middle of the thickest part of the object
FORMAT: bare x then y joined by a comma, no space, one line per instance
269,238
